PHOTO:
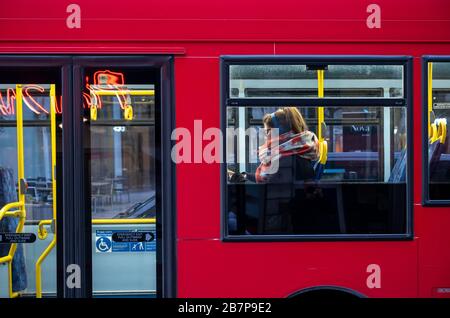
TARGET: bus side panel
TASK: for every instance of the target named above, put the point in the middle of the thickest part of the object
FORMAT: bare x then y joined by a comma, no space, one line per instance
172,20
210,268
197,90
434,258
197,99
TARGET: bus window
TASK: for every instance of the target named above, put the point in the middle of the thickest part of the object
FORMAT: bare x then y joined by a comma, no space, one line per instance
352,81
300,82
312,170
271,81
438,109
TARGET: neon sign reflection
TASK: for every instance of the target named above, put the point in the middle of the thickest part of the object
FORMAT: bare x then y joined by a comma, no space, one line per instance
107,80
30,93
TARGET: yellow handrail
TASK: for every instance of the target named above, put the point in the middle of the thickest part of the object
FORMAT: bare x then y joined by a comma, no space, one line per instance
41,231
9,206
320,110
430,98
124,221
128,109
104,92
323,145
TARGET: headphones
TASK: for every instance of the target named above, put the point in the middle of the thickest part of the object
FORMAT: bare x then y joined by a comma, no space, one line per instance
276,124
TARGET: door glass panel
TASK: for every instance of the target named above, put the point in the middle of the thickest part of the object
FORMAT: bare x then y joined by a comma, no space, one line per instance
120,109
30,150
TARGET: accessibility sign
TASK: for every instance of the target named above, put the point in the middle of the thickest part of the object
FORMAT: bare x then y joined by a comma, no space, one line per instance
114,241
103,244
7,238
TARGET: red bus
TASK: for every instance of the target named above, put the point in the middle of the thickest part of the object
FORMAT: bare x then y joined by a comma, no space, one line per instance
131,137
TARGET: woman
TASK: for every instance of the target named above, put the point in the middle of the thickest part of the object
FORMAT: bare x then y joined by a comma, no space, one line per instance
289,150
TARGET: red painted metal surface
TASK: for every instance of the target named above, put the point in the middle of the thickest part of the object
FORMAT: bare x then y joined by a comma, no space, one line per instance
197,32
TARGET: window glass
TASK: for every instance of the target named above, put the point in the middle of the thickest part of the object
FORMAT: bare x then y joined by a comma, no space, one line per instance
368,81
438,145
362,189
300,81
122,151
272,81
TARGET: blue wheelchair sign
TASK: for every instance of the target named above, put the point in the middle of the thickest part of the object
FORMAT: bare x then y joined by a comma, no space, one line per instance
103,244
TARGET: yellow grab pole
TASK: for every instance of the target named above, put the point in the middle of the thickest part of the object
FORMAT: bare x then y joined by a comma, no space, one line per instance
53,242
320,110
430,97
20,159
53,135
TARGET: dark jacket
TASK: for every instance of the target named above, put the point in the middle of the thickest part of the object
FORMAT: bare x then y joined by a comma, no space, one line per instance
9,224
291,168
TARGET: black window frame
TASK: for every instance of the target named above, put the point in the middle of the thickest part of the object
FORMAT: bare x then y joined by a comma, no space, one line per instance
318,60
426,201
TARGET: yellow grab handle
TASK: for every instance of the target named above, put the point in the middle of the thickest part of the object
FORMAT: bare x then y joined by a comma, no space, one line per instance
93,112
128,112
434,132
323,152
442,130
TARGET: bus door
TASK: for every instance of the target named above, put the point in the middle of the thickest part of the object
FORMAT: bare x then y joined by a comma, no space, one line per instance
122,148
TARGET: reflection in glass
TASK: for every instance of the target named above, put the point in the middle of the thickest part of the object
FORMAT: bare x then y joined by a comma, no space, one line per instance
122,151
122,170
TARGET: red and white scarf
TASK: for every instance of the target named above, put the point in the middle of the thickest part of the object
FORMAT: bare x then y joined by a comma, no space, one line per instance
304,144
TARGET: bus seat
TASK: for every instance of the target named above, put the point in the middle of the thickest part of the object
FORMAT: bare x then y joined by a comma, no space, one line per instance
398,173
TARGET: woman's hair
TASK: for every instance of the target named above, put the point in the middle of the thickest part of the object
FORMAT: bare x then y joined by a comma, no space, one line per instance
288,117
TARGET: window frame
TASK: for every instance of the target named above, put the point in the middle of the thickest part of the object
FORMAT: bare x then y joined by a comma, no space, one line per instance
426,201
406,101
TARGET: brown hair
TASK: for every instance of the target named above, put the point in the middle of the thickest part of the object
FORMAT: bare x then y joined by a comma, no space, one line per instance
289,117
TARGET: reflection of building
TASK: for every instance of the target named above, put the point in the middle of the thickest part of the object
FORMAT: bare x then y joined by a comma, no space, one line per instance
122,152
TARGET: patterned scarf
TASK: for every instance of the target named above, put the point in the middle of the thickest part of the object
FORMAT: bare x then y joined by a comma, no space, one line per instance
304,144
